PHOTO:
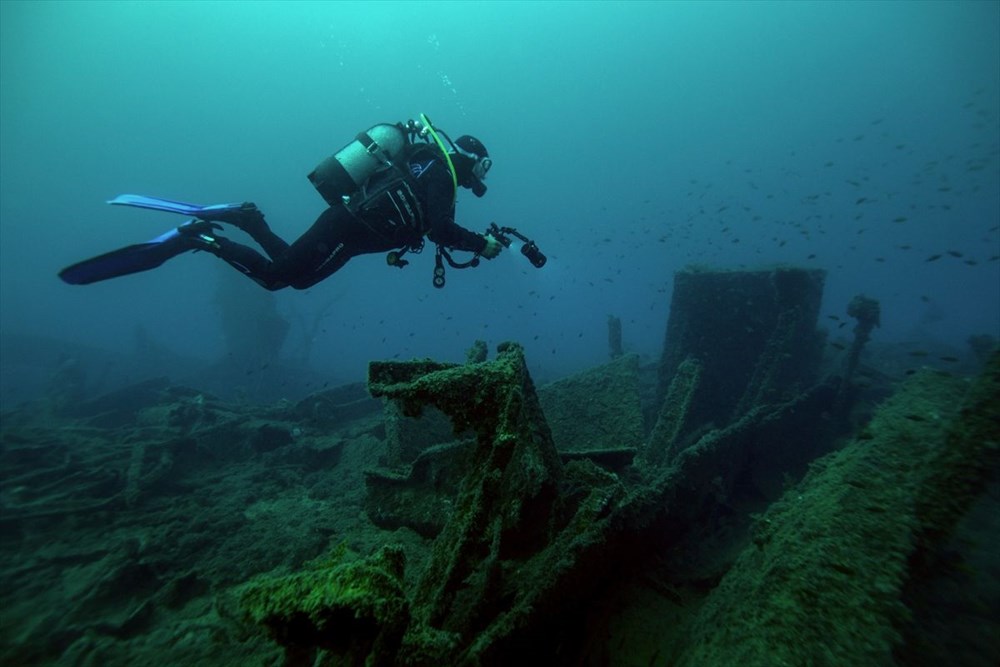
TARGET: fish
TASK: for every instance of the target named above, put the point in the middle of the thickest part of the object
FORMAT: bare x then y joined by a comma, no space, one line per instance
933,258
901,218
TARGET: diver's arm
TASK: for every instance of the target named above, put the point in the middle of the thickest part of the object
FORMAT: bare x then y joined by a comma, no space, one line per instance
440,212
452,235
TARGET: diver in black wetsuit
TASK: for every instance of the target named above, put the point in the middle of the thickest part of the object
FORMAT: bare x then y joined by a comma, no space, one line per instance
390,187
398,207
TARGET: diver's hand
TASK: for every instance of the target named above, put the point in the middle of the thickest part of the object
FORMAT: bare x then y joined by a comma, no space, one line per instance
493,247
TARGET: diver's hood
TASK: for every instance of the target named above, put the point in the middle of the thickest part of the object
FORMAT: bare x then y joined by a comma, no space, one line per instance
473,149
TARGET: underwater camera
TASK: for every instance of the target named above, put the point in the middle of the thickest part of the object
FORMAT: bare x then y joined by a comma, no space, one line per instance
441,255
529,249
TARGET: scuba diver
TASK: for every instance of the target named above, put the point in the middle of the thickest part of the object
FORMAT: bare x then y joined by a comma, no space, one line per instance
388,189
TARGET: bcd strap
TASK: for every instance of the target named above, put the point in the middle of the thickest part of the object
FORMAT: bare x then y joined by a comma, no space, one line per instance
372,147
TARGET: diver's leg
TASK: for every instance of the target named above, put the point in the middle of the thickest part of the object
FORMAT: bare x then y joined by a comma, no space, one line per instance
250,219
321,251
249,262
330,243
315,255
272,244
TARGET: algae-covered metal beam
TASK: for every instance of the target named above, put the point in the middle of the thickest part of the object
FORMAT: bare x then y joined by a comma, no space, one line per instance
504,508
830,562
663,441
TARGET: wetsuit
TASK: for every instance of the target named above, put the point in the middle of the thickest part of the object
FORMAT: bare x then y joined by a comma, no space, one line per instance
398,209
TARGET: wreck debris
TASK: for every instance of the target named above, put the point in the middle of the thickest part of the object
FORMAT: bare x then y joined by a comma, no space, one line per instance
477,353
421,496
354,610
583,515
596,415
671,422
829,562
329,408
537,520
982,346
615,337
505,505
596,409
958,473
754,334
469,599
523,529
66,387
406,437
868,314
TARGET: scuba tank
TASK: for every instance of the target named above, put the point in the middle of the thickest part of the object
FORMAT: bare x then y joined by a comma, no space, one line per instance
341,175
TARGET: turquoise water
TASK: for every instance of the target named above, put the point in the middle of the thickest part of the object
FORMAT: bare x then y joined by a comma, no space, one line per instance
630,140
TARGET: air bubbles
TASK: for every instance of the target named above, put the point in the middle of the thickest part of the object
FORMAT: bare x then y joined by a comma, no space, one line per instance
446,82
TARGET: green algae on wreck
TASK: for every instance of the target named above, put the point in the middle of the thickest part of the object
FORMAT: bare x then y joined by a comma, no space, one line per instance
823,580
599,408
355,609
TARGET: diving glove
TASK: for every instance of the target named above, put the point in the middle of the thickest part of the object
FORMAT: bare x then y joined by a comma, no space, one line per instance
493,247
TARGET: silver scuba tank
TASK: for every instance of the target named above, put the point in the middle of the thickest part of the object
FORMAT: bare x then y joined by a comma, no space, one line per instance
346,171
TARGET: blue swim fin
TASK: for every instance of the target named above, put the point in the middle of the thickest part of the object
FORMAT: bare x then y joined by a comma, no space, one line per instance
195,235
211,212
